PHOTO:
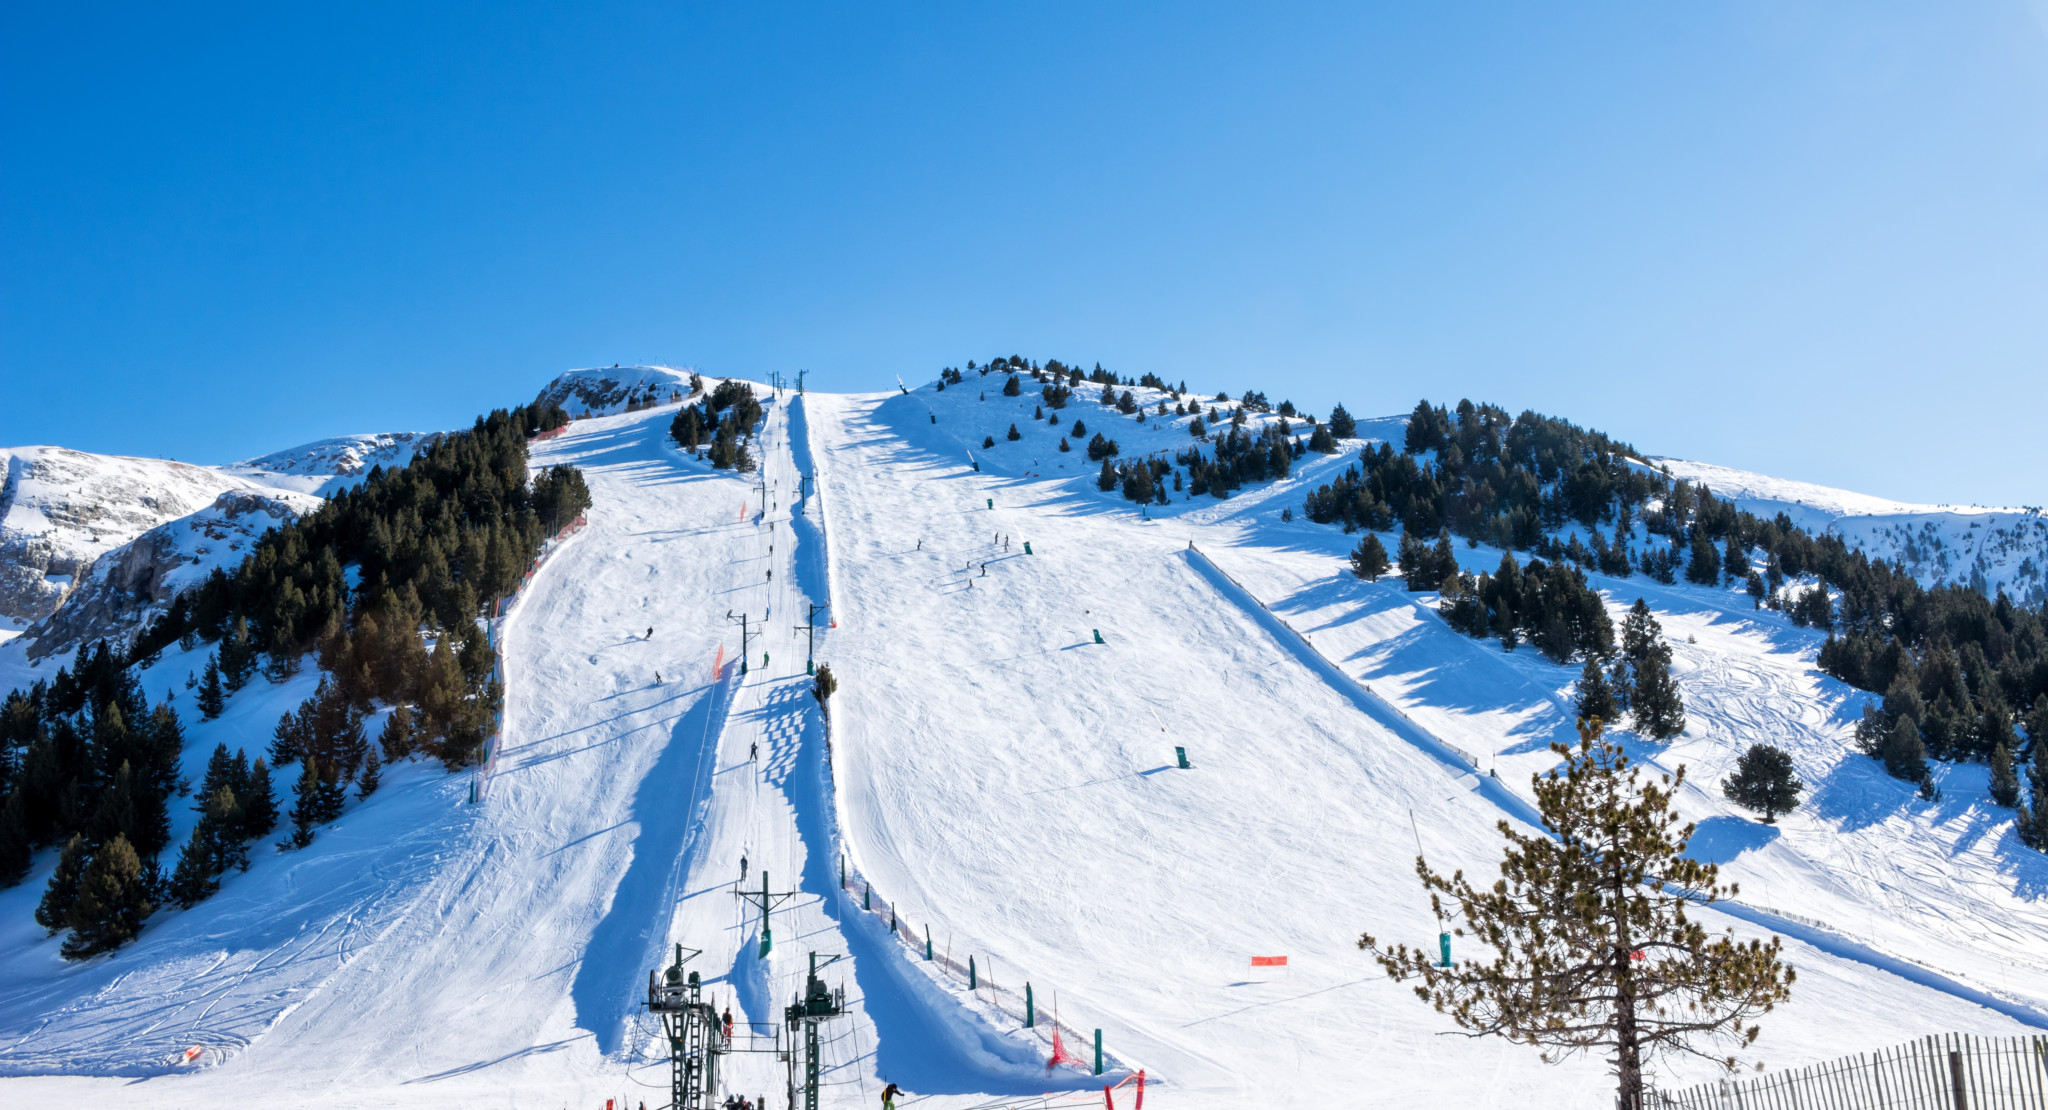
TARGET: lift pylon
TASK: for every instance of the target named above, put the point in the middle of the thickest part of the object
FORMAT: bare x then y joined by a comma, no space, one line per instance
696,1037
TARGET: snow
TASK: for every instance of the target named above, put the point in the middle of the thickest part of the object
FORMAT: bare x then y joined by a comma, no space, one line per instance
606,390
61,509
1004,780
325,466
1986,548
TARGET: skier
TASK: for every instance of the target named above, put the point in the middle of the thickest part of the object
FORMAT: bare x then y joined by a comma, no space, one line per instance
657,678
743,867
984,570
889,1094
771,574
920,543
753,751
650,632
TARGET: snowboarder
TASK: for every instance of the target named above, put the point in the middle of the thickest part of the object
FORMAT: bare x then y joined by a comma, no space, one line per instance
657,678
889,1094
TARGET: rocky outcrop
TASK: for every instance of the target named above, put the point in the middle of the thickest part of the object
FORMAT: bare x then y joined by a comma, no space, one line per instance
128,585
61,510
606,390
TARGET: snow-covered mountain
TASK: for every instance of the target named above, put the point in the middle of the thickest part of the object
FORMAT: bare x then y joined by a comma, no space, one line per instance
997,775
327,465
60,510
133,581
119,535
604,390
1985,548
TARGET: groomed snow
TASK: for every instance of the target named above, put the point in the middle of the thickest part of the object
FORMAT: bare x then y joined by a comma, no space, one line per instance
1001,778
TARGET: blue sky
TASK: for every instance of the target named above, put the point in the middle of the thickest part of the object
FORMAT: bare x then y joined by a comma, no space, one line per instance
1808,239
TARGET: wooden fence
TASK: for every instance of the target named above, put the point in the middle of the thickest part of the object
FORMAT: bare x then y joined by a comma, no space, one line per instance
1953,1072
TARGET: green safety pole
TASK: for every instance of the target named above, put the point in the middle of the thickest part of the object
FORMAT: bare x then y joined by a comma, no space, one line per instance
810,667
1443,941
991,502
1181,754
892,917
1098,1052
867,897
971,981
1098,634
927,943
767,937
1027,547
842,870
1030,1015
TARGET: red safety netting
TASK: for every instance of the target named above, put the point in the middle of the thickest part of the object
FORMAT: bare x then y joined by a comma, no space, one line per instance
1060,1055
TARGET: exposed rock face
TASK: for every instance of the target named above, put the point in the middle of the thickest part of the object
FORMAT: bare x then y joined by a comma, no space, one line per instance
128,585
610,389
60,510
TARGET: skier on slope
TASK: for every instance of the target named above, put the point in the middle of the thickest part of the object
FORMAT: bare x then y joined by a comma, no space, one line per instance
753,751
650,632
743,867
889,1094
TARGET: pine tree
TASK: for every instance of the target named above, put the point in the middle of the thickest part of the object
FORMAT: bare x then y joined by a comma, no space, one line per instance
1763,781
259,805
366,783
1341,424
824,687
55,909
1905,756
1595,943
1734,560
16,853
1594,697
1012,388
332,795
215,844
212,699
1704,568
1654,704
1369,558
112,902
2005,785
1106,480
397,737
305,805
237,655
1014,435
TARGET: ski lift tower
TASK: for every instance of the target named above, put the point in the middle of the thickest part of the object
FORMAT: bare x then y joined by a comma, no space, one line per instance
819,1004
696,1038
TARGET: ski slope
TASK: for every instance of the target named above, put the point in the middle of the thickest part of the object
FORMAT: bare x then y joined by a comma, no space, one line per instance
1002,779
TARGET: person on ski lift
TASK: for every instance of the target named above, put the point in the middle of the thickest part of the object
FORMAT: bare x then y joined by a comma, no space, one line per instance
728,1023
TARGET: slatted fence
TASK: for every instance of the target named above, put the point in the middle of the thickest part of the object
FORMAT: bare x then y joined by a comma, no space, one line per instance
1952,1072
